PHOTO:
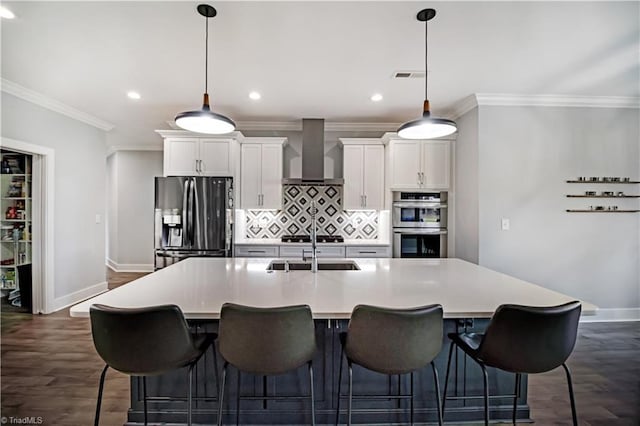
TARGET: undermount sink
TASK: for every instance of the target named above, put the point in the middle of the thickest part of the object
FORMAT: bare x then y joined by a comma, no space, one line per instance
347,265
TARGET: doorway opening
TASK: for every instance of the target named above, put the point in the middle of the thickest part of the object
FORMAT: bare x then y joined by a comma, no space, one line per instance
26,226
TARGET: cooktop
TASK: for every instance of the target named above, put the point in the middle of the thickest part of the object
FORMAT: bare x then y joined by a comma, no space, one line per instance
307,239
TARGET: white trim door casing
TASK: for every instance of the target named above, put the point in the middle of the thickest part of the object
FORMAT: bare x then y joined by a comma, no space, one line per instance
42,221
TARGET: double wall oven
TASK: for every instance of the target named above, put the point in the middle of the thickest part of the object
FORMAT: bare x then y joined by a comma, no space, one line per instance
419,224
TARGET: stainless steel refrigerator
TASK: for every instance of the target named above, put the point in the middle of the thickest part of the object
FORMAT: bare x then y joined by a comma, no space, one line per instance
193,217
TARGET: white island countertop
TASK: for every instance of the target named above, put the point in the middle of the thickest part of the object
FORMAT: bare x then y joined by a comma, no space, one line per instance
199,286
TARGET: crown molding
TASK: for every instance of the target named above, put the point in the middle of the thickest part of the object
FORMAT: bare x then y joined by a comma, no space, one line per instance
44,101
115,148
506,99
188,134
557,100
462,107
295,126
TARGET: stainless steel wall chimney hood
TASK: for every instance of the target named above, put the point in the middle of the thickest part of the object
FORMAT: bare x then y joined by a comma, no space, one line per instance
312,156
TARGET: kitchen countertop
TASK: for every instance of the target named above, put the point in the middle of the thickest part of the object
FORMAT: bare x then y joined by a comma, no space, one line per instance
199,286
278,242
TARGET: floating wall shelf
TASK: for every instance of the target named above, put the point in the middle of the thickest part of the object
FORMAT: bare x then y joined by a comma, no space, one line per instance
603,211
599,181
603,196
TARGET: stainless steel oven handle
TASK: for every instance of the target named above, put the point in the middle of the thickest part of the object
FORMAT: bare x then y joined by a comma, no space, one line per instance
419,231
418,205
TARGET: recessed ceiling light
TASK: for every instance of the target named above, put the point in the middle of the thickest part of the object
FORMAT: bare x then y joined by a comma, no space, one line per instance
376,97
255,95
6,13
133,95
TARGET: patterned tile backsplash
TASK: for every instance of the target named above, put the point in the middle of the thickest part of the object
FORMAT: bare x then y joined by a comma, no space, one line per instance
295,217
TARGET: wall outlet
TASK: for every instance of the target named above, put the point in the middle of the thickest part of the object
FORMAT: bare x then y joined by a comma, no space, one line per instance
98,218
505,224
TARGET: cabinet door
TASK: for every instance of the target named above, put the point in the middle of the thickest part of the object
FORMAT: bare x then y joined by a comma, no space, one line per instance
250,176
405,164
435,164
353,172
373,182
215,157
180,157
271,176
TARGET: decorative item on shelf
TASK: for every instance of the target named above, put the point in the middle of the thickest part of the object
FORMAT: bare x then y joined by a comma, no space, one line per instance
590,193
7,233
11,213
426,127
205,120
620,194
607,193
5,167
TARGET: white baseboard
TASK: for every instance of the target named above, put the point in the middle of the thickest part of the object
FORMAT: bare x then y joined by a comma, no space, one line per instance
129,267
613,315
78,296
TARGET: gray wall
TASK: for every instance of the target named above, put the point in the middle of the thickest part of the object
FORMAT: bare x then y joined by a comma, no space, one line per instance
466,187
80,150
131,208
525,155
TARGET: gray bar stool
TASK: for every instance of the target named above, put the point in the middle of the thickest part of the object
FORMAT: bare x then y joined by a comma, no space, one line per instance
146,342
265,342
392,341
522,340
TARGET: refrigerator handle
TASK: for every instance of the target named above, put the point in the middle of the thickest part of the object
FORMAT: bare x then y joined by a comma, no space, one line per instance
190,209
185,211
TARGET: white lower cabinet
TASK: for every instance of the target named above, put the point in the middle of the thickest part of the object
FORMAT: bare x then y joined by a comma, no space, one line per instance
368,251
257,251
322,251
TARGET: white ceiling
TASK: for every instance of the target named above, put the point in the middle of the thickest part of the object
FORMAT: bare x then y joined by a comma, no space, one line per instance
312,59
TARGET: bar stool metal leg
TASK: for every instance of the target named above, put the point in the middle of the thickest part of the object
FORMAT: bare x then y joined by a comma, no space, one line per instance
313,403
238,400
411,400
486,394
221,392
350,392
515,397
144,398
339,387
189,395
437,385
574,414
446,378
100,389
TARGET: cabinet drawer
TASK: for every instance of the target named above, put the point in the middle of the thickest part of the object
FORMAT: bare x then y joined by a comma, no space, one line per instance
256,251
368,251
320,251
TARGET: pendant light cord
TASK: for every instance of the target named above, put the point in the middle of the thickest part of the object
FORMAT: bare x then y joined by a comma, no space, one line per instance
206,56
426,60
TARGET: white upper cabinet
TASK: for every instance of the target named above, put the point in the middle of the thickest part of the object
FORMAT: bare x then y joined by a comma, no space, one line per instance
261,173
418,164
197,156
363,172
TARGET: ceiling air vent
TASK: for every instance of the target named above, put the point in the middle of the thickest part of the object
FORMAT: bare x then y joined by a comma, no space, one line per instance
408,74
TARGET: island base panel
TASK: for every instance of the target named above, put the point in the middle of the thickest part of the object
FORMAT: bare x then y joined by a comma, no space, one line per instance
326,365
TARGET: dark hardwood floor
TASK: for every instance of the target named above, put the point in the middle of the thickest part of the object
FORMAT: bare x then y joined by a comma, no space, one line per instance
49,369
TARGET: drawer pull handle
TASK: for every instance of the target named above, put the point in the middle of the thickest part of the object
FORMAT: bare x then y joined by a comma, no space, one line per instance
256,251
367,252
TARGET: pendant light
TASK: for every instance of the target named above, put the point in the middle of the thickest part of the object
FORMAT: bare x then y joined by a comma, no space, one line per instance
204,120
426,127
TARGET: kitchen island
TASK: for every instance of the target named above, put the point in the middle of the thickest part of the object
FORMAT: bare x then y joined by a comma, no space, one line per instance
468,293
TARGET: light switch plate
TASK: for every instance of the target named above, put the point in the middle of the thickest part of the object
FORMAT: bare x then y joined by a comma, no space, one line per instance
505,224
98,218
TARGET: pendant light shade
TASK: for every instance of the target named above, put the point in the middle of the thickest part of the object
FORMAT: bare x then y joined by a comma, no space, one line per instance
204,120
426,127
